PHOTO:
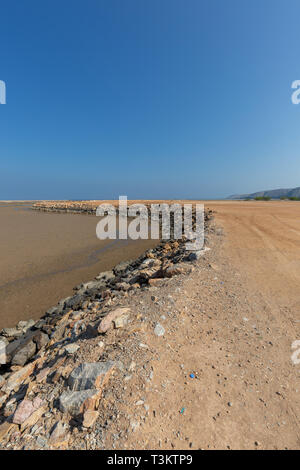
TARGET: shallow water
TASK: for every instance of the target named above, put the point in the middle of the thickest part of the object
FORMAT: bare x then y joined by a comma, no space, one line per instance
44,255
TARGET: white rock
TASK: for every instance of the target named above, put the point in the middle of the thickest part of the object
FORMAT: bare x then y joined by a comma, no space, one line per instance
72,348
159,330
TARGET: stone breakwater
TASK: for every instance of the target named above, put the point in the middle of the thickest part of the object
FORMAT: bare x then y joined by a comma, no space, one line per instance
90,207
84,207
55,370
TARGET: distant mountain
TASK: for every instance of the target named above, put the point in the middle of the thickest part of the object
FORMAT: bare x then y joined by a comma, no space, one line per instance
273,193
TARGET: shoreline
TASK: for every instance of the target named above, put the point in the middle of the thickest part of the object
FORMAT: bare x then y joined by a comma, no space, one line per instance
44,255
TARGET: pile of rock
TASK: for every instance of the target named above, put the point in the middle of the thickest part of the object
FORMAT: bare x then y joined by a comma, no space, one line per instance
74,207
38,379
28,338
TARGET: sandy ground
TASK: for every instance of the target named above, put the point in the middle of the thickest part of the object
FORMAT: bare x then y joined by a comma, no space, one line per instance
231,323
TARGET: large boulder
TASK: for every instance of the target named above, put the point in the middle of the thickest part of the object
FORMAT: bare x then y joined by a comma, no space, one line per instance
176,269
91,286
107,321
77,402
121,267
26,352
17,378
74,302
90,376
25,409
20,350
12,332
60,436
106,276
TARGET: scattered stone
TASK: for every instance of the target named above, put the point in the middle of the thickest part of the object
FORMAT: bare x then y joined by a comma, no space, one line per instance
159,330
6,428
107,322
155,282
72,348
121,321
134,425
177,269
139,403
59,436
89,418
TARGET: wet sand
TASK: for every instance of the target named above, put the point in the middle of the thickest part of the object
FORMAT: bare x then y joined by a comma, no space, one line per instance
44,255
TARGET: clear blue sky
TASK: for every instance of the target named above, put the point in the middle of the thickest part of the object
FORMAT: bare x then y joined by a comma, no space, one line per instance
148,98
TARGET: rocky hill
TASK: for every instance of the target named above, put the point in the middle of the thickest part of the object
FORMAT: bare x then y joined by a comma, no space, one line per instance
273,194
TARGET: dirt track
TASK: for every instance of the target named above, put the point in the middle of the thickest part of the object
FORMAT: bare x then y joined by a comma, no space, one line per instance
231,323
263,241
